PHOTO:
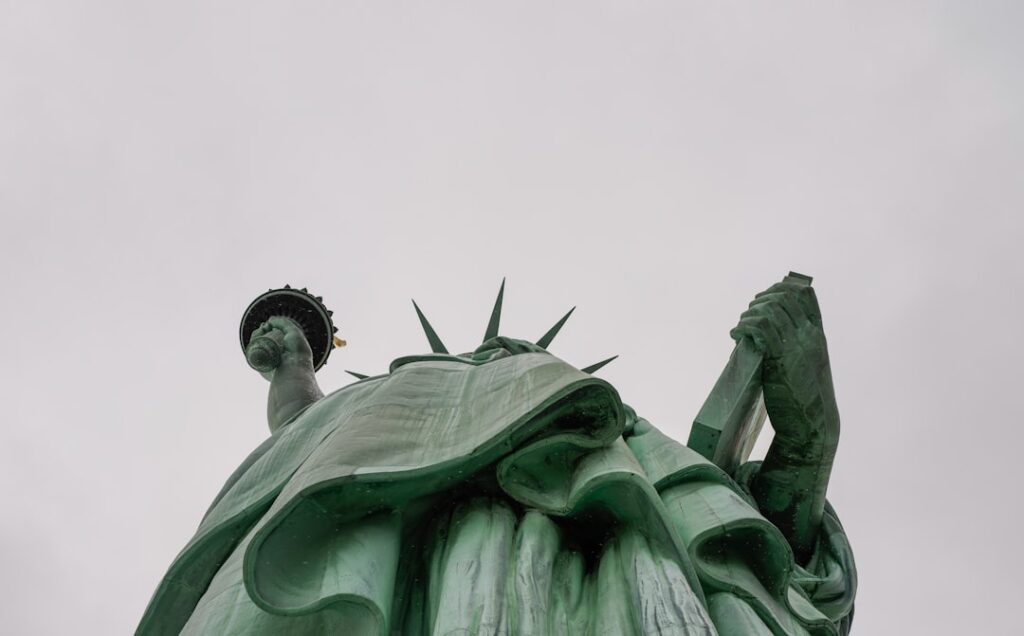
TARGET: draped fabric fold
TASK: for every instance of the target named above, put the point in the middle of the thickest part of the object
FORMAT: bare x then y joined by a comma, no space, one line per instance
491,497
742,560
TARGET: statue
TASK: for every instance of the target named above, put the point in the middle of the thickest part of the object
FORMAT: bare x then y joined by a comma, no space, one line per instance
505,491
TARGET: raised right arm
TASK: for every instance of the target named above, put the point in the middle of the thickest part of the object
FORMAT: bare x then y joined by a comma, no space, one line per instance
279,351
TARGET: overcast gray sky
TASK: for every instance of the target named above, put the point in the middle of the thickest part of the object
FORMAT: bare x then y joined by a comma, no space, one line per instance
656,164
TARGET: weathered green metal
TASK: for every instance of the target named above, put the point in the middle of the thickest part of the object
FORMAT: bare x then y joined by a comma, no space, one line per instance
303,308
548,336
597,366
435,342
495,321
508,492
731,418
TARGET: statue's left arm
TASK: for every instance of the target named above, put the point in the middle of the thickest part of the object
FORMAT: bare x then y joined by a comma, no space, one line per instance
784,321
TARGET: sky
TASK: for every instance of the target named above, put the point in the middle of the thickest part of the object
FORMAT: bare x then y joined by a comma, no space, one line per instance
653,163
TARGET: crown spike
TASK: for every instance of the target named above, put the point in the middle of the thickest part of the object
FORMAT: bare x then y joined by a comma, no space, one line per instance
492,325
359,376
546,339
594,367
435,343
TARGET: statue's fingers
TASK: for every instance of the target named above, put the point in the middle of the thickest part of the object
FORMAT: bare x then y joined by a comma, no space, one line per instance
287,325
774,289
755,312
760,329
768,322
787,302
747,330
804,295
259,331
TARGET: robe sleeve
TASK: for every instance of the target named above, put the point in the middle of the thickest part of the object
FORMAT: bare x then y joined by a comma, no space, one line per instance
829,578
742,560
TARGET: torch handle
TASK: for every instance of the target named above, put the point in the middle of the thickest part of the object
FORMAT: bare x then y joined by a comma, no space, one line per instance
264,351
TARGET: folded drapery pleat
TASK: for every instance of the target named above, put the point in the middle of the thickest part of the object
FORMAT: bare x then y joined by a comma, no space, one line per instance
501,498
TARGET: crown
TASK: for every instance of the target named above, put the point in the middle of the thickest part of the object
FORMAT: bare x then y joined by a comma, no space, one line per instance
437,346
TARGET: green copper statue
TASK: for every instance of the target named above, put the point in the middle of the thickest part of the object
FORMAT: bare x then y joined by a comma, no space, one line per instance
505,491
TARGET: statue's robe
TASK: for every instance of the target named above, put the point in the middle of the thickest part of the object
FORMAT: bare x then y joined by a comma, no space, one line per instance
512,496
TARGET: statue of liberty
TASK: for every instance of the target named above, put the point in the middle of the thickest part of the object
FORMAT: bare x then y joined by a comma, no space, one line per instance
506,491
